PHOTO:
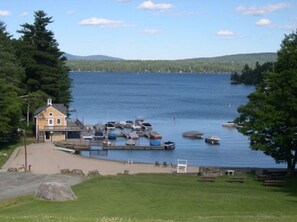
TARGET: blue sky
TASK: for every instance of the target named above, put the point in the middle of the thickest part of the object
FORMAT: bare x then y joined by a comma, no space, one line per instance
159,29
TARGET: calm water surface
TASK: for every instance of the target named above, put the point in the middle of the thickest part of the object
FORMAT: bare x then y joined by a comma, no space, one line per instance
173,104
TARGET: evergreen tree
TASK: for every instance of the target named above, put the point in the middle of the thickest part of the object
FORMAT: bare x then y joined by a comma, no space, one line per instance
270,116
287,55
11,75
43,61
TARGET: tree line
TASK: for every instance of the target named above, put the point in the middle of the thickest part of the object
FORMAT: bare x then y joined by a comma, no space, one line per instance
221,64
32,69
154,66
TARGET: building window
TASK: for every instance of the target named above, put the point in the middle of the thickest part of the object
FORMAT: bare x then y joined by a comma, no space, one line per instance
50,122
58,121
50,114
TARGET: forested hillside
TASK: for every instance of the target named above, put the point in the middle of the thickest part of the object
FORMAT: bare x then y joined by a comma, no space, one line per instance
222,64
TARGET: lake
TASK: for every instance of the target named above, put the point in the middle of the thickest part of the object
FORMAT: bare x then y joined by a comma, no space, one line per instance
173,104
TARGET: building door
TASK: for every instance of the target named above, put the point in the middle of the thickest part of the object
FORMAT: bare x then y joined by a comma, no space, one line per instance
47,136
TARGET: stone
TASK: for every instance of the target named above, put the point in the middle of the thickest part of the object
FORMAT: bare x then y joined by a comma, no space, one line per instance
210,171
77,172
93,173
54,191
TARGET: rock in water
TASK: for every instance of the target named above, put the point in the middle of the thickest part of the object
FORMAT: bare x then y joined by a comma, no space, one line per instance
54,191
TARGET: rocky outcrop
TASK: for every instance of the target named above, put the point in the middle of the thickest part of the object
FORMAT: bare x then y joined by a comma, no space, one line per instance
55,191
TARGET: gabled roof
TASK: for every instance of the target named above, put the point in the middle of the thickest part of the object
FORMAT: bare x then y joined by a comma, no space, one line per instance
58,106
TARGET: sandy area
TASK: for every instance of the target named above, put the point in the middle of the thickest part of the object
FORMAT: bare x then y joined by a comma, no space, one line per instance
44,159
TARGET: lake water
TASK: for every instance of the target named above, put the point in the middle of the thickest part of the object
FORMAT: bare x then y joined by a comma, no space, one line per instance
173,104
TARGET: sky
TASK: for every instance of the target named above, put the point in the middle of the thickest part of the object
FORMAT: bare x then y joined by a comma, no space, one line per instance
159,29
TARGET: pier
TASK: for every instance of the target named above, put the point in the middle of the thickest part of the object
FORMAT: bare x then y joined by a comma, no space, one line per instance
134,147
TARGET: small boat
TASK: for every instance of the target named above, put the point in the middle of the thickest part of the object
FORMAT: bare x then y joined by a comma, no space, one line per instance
146,126
129,124
110,126
136,127
229,124
98,135
155,143
130,142
193,134
112,136
133,135
214,140
154,135
69,150
169,145
87,135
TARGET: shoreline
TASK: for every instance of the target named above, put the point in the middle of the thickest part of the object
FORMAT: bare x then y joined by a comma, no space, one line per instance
44,159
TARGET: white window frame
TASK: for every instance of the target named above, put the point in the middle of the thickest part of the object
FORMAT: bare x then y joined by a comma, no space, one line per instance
50,122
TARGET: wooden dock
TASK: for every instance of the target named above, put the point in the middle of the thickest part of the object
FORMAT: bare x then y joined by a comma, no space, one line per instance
136,147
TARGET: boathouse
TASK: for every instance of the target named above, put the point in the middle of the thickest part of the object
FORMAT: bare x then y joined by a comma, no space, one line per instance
52,123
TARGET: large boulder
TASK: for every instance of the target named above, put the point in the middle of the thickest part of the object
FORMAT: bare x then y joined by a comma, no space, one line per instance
54,191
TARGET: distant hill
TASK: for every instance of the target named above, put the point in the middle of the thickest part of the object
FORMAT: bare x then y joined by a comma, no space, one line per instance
91,57
220,64
250,58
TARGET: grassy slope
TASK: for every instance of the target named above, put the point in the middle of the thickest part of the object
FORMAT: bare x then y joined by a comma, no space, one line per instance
161,198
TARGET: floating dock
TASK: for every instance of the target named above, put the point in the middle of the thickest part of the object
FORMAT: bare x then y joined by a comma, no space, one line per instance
134,147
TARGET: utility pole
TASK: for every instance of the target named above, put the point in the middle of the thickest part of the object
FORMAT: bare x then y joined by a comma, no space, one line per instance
25,145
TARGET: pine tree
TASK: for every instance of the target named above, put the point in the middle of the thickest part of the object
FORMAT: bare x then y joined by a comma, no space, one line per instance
43,61
11,75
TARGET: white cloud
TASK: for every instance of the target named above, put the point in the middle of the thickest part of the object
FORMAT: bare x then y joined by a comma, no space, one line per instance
151,31
150,5
225,33
4,13
24,14
263,22
102,22
258,11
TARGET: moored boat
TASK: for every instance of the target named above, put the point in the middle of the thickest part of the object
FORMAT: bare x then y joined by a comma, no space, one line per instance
112,136
169,145
193,134
130,142
214,140
229,124
133,135
155,143
146,126
98,135
154,135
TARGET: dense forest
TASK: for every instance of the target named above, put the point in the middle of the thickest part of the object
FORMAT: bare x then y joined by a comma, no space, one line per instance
222,64
32,69
252,76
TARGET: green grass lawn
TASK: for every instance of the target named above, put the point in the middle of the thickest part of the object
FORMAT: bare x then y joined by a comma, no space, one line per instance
161,197
6,149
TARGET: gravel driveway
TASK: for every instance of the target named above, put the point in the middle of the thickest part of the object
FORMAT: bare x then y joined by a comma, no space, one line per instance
18,184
